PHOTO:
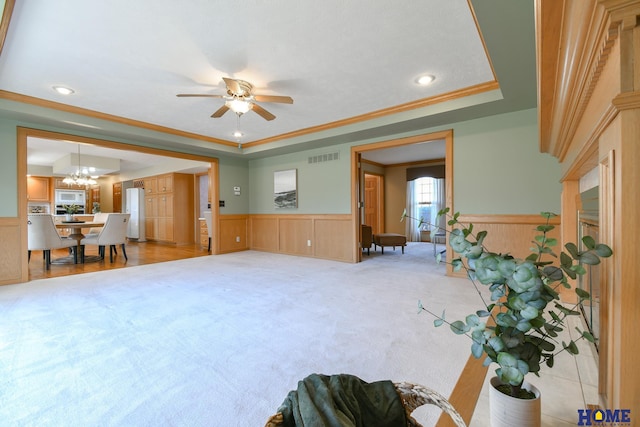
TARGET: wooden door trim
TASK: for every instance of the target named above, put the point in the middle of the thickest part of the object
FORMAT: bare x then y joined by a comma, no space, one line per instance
356,185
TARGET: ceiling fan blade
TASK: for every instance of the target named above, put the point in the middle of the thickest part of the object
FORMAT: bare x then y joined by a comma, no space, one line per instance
220,111
199,95
233,86
273,98
262,112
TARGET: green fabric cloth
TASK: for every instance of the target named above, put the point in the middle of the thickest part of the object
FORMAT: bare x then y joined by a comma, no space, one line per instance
343,401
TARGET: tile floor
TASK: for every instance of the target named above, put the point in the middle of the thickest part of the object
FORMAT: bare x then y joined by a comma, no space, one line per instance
569,386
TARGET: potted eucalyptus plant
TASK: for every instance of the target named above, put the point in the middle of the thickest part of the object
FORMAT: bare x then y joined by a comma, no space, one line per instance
518,322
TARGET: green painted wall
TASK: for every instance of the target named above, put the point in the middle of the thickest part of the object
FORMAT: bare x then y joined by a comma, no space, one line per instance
234,173
323,188
8,169
498,168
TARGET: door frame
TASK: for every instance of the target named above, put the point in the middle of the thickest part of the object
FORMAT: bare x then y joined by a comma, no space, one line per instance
23,133
357,178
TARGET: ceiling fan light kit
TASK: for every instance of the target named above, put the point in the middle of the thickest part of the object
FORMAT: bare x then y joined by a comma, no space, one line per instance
239,106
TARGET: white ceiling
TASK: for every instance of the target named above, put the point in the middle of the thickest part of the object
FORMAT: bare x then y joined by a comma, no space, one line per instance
340,61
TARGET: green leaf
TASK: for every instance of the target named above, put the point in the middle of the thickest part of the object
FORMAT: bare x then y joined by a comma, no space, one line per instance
438,322
582,294
545,228
587,335
571,348
532,258
603,250
573,250
472,320
579,269
482,313
459,327
589,242
476,350
552,242
552,272
589,258
506,320
550,361
530,313
565,260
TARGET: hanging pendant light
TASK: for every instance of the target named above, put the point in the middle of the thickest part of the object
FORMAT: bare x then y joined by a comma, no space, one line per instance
81,176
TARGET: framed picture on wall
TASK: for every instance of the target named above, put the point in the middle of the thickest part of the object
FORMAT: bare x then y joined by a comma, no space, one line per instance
285,189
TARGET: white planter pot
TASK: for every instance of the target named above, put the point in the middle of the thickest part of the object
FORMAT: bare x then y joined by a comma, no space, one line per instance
68,217
507,411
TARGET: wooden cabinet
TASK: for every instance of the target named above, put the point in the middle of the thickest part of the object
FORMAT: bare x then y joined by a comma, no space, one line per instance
169,208
204,234
38,189
165,184
117,197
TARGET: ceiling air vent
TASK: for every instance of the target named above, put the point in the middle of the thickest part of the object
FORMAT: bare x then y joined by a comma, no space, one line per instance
321,158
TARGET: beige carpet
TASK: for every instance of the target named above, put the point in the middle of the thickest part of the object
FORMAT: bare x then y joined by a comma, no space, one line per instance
220,340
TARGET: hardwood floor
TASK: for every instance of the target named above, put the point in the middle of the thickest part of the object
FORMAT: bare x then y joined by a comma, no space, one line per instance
138,254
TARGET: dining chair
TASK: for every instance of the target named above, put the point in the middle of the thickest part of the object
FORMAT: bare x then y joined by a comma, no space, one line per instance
207,218
97,217
42,235
113,233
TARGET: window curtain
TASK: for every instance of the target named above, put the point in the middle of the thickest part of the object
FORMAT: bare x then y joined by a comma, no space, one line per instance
411,225
438,204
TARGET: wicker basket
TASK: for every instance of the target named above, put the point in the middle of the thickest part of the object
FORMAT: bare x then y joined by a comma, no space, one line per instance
413,396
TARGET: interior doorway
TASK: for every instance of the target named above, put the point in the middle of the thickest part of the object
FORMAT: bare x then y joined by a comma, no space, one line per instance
23,136
361,188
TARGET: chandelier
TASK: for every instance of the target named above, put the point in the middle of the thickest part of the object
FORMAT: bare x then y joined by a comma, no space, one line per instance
81,176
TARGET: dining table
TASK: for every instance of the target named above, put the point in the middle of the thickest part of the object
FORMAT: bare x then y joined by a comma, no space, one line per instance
76,234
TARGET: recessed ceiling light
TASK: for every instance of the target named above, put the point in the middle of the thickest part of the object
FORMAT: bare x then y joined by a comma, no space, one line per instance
63,90
425,79
238,134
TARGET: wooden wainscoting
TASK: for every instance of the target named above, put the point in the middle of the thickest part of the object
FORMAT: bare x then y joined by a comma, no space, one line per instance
234,234
318,236
511,233
13,267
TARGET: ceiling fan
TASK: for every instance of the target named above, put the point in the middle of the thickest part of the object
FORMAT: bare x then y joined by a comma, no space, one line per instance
239,99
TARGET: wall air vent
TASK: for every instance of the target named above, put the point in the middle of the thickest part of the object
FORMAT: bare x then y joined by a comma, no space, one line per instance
321,158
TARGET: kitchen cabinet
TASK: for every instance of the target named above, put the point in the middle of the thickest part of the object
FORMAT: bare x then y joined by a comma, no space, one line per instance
169,207
204,233
38,189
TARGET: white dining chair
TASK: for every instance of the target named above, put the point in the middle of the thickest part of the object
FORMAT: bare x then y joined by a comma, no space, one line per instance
42,235
207,218
97,217
113,233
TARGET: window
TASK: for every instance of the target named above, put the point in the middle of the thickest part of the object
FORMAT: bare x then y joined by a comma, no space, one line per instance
424,197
